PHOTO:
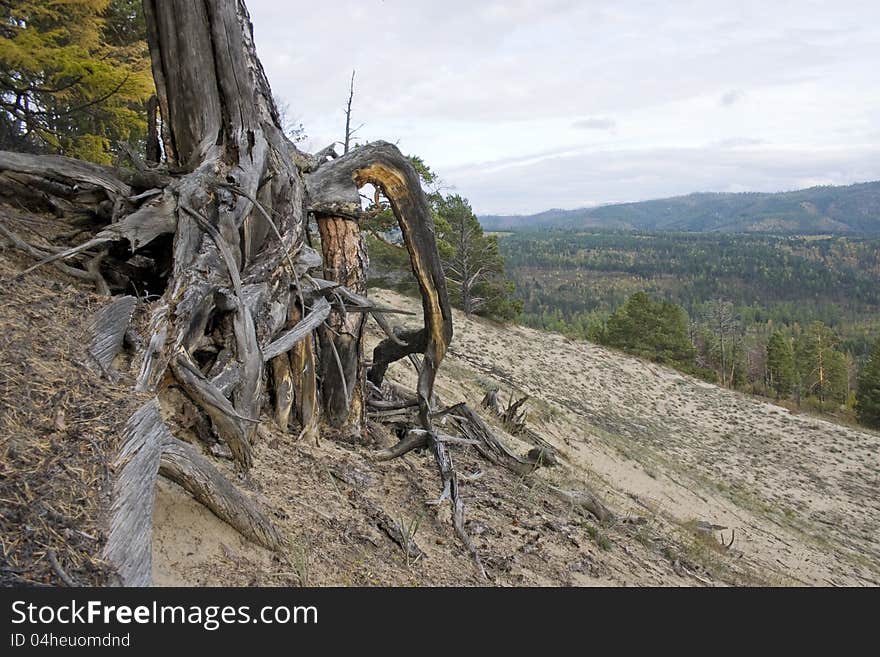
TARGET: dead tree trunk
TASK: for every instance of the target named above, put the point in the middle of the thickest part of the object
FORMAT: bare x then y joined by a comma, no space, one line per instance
333,190
342,372
222,225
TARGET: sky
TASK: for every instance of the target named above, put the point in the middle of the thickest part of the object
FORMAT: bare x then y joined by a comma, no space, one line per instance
526,105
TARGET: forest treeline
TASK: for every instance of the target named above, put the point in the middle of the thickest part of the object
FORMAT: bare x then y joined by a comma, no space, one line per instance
850,209
793,318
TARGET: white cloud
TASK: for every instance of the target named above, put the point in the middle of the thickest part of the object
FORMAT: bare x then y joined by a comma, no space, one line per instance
480,88
594,124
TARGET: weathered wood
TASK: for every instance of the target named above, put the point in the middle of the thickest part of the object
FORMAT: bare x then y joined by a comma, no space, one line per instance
333,190
345,262
282,385
149,449
108,330
586,500
491,402
412,440
153,148
303,365
229,425
487,444
129,541
451,491
221,130
182,464
61,185
41,254
139,228
303,329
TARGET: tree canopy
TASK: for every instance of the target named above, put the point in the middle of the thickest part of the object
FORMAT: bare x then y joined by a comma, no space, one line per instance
652,329
73,76
868,395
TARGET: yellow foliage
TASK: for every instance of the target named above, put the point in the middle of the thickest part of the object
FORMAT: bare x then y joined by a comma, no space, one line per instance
67,85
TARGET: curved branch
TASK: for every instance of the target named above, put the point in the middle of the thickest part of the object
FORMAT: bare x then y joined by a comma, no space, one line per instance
333,189
414,439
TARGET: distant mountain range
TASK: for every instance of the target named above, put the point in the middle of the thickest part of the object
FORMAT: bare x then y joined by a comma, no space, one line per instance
851,209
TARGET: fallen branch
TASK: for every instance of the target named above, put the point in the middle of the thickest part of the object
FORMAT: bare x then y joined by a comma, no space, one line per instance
53,561
108,330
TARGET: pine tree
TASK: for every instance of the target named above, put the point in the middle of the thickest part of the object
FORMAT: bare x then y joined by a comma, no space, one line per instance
472,261
868,393
821,368
780,364
75,76
652,329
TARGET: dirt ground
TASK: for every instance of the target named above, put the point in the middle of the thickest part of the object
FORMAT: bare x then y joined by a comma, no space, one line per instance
676,460
60,424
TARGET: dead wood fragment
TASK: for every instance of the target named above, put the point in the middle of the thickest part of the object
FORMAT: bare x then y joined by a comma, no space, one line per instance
584,500
182,464
413,440
391,528
45,252
108,330
451,491
129,543
148,448
488,445
302,330
67,579
333,190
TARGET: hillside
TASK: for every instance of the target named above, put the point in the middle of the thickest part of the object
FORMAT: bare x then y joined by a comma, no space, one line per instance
851,209
798,492
682,456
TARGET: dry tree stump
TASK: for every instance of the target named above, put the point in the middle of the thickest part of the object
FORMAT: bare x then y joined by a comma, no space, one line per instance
217,232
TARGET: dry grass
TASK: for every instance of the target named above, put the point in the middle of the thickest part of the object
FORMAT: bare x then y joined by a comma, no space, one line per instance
58,430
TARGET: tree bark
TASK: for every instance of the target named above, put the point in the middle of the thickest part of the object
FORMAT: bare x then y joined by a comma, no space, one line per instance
342,372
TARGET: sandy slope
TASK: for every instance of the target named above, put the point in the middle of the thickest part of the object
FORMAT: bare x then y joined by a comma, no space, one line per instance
800,493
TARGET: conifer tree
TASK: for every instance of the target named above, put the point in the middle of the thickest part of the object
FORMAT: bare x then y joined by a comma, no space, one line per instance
74,76
868,392
780,364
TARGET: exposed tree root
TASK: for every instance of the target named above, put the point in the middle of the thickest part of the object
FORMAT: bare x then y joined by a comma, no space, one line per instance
452,492
148,450
476,432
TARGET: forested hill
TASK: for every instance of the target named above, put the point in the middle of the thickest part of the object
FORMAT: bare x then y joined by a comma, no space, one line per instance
853,209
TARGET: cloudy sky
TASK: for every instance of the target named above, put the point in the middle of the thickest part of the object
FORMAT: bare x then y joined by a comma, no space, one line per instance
525,105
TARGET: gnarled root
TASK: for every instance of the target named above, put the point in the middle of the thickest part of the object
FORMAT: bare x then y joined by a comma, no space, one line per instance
149,449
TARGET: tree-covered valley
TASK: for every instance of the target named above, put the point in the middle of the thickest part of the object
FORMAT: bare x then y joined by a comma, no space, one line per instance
719,305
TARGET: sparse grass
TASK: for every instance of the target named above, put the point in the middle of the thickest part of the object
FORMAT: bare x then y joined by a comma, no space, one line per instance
599,536
301,563
486,383
408,529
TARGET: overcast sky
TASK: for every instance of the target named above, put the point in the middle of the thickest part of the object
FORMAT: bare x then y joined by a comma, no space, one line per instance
525,105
